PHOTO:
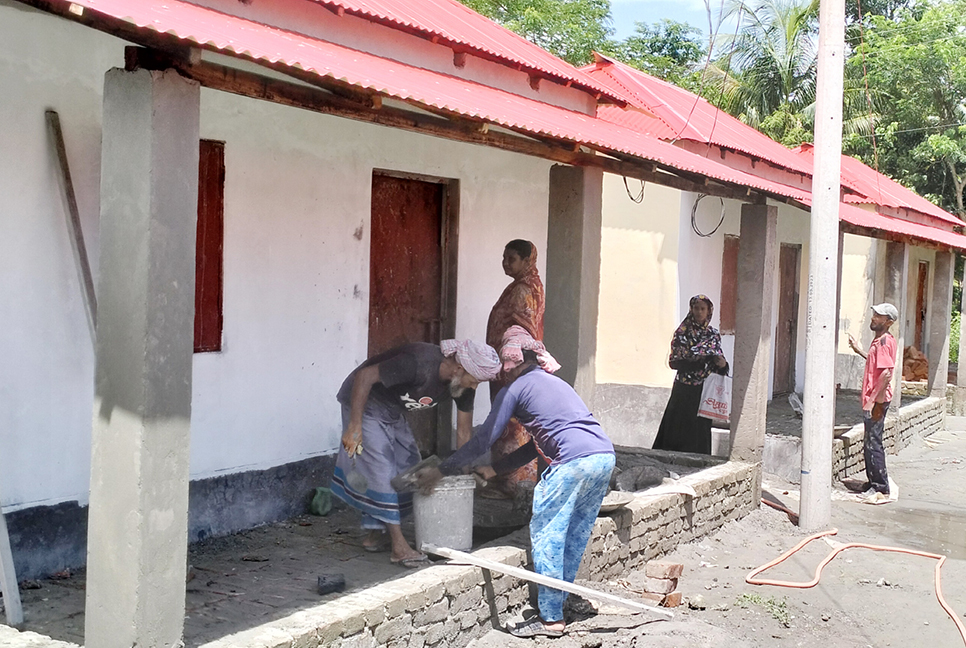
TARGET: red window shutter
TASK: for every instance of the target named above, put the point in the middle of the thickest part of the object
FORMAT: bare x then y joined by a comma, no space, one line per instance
729,285
209,246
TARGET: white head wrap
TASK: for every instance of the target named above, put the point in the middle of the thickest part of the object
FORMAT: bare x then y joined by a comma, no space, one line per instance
480,360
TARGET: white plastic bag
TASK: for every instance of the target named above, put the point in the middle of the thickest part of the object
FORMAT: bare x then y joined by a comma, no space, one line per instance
716,398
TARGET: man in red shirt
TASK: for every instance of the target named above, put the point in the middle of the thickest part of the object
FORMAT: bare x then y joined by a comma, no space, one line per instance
880,362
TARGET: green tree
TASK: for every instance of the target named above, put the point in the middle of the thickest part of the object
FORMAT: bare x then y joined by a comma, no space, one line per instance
569,29
916,66
667,49
771,61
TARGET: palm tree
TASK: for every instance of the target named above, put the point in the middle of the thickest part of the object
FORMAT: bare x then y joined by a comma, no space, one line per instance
771,60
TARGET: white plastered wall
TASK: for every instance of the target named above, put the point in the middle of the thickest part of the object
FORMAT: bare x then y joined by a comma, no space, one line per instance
47,384
859,255
701,256
296,263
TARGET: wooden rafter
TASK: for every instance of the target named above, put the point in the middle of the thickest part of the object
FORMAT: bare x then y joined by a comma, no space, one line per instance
885,235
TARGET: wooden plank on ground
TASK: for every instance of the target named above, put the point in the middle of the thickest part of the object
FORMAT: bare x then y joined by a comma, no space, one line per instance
73,221
527,575
8,579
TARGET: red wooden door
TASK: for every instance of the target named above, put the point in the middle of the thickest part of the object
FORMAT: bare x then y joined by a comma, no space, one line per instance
921,302
787,329
406,278
209,252
406,261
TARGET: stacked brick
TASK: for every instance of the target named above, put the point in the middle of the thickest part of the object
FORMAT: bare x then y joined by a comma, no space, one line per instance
661,583
653,526
921,418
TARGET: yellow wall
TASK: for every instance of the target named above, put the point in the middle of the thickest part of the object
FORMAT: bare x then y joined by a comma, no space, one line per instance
638,284
858,273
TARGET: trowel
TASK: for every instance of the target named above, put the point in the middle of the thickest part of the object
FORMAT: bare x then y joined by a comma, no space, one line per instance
405,482
356,480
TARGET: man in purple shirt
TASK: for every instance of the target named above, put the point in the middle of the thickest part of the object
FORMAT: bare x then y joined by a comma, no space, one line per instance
568,497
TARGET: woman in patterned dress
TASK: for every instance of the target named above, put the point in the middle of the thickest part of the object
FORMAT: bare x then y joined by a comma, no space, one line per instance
521,304
695,353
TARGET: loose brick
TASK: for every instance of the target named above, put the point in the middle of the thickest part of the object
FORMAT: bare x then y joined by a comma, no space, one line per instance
663,569
652,599
672,600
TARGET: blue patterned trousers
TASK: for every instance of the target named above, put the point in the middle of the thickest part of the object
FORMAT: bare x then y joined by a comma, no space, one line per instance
566,502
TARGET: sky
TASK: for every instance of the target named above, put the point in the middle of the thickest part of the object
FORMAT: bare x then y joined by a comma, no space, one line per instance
627,12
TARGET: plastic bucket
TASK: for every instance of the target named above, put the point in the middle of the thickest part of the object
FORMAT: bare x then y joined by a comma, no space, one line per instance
445,518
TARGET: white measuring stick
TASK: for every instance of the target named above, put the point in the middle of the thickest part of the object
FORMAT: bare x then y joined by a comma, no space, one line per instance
527,575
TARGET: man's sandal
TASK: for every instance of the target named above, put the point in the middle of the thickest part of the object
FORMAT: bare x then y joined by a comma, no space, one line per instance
413,562
533,628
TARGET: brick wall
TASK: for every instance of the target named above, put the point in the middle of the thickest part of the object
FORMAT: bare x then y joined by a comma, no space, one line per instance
447,606
916,419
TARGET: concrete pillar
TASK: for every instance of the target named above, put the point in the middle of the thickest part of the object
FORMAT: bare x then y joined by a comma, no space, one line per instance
894,292
959,395
757,259
138,517
573,274
939,310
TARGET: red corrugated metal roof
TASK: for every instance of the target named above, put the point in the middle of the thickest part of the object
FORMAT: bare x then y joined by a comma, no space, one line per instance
878,189
450,21
875,221
259,42
683,115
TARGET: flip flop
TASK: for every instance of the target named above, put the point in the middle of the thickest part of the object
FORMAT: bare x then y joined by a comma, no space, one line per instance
413,562
533,628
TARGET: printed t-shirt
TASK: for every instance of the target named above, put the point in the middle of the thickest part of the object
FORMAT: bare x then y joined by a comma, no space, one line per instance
882,356
408,380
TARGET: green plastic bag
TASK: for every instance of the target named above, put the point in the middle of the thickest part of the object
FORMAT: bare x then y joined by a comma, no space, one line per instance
321,501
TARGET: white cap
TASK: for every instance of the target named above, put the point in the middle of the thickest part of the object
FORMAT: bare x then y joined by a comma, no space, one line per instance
888,310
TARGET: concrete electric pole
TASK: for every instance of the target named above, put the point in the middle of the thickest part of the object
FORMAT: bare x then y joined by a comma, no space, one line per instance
820,351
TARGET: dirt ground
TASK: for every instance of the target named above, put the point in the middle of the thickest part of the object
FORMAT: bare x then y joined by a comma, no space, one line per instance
864,598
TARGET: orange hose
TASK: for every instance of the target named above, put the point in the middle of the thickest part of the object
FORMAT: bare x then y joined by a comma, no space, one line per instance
751,580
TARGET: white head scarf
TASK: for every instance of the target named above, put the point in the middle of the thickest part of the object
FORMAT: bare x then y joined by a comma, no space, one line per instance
479,360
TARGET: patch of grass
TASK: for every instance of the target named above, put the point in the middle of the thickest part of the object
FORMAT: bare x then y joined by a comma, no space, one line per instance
778,609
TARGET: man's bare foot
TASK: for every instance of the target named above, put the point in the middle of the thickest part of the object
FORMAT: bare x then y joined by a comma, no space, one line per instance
376,541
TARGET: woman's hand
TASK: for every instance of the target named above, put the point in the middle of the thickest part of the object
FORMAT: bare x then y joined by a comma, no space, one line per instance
719,361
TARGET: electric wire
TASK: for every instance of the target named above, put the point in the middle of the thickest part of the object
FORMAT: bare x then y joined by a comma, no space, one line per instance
712,37
694,222
635,199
